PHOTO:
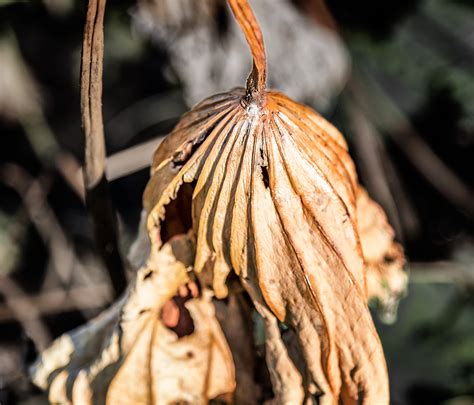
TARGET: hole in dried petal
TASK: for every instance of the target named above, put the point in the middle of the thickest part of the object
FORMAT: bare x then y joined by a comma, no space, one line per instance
387,259
316,398
263,166
265,178
178,218
148,274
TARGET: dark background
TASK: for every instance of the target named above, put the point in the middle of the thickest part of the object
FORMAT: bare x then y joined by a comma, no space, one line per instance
418,54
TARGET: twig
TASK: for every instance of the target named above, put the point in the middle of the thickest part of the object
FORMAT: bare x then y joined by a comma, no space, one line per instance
97,193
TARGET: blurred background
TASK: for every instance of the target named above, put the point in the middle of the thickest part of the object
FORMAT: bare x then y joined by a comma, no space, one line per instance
397,77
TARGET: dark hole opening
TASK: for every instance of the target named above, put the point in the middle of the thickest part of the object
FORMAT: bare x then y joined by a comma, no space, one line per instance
265,178
264,168
178,218
387,259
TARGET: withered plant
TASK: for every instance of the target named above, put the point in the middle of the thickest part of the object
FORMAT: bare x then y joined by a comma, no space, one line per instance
251,195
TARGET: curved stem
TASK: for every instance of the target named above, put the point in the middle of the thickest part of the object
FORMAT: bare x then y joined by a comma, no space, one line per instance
256,81
98,200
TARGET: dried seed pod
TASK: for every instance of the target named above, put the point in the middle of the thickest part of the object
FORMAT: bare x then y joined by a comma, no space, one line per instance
270,191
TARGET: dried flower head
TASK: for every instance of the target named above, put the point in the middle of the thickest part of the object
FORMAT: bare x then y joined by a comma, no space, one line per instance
253,183
270,192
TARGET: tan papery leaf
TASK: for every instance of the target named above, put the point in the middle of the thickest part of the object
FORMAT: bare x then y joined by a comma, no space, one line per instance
128,356
273,196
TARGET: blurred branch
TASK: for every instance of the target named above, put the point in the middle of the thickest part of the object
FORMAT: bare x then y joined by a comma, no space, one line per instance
69,167
44,144
25,312
132,159
433,168
318,10
33,194
378,172
20,100
144,114
55,301
390,118
442,272
97,193
408,216
371,167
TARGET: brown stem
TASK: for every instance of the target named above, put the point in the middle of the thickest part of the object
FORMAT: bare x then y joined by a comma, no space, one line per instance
91,93
256,81
98,198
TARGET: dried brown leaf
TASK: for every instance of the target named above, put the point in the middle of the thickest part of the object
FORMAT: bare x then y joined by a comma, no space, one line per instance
128,356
